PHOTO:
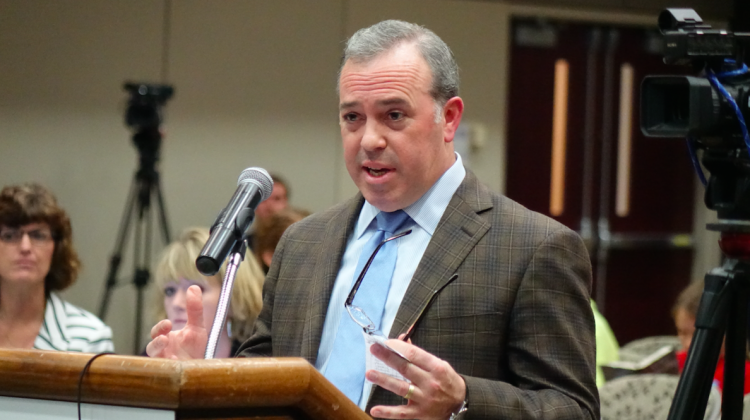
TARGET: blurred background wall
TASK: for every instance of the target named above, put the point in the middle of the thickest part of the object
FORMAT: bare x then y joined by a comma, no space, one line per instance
254,86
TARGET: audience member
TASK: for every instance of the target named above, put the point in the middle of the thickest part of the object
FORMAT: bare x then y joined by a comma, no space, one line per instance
37,259
176,271
684,312
269,232
607,347
277,201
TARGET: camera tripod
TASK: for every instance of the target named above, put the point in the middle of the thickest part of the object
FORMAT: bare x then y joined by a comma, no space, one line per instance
723,307
145,185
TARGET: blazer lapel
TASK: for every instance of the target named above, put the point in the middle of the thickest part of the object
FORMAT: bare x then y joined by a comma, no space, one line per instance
460,228
458,231
326,269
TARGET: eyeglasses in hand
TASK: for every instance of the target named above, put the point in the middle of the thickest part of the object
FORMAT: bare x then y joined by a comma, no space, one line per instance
357,314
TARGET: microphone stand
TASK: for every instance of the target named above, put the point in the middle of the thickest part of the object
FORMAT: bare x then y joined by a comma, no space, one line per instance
237,254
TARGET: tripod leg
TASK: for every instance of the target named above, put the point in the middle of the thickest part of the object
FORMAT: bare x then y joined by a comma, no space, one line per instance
143,275
142,257
162,211
116,258
694,387
736,348
145,184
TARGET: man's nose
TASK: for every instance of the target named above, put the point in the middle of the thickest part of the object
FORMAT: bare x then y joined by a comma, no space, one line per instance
372,138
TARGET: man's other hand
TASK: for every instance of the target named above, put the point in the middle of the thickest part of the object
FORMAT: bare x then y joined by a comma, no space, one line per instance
438,390
187,343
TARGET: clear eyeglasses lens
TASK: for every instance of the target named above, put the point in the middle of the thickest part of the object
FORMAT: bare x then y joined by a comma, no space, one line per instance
14,236
359,316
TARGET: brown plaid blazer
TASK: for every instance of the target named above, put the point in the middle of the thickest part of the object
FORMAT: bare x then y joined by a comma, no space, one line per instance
516,324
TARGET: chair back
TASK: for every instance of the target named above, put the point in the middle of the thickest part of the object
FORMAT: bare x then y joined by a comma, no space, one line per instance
646,397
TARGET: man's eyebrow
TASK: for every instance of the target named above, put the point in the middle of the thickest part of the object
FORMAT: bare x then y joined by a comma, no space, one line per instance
384,102
347,105
393,101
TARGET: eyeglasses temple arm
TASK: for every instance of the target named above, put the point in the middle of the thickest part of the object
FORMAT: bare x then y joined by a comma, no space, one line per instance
350,298
413,327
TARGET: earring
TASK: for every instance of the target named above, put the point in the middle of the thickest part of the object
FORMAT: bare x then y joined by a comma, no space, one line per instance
229,327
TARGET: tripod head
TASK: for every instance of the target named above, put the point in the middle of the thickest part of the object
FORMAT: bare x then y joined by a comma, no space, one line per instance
144,117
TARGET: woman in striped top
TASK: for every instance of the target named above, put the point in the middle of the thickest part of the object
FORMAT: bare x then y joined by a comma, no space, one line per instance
36,260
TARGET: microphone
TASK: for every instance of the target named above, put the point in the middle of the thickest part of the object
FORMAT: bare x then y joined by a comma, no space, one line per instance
253,186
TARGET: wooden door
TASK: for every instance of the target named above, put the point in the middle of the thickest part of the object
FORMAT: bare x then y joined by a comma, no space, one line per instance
588,165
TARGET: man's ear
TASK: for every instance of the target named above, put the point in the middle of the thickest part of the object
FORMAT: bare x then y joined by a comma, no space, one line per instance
453,110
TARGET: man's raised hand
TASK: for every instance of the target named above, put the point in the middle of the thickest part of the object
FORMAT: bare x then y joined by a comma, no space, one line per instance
187,343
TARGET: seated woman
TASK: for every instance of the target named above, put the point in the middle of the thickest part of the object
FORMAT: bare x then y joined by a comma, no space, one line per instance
36,260
176,271
684,313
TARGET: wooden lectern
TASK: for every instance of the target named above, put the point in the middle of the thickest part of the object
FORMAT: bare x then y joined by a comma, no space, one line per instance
269,388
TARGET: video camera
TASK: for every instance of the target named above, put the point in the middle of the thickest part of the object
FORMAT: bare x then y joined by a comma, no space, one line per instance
144,116
710,111
144,106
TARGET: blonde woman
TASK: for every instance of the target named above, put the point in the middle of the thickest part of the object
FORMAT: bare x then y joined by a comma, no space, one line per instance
176,272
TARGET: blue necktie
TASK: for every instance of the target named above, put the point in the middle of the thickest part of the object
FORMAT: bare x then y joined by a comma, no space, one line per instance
346,365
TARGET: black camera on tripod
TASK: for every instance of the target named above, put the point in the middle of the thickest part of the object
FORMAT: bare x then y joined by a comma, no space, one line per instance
710,111
144,106
144,116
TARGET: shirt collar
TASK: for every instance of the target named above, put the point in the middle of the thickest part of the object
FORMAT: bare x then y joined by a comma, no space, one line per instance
56,319
427,211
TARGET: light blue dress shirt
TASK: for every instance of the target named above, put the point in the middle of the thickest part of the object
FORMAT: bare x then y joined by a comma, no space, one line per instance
425,214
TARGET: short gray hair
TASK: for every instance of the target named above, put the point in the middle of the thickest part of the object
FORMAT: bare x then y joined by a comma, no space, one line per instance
368,43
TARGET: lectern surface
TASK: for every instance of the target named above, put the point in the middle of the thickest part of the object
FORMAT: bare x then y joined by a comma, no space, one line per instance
264,388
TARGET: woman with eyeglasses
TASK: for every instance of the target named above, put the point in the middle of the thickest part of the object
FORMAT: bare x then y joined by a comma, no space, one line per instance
176,272
37,259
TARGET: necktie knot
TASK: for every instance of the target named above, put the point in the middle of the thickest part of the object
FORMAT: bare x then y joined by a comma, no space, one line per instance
389,222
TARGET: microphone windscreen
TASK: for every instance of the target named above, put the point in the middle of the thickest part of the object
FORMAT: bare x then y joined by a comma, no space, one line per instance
261,178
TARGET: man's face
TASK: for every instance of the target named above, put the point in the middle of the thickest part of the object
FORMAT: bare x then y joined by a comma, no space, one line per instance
394,149
273,204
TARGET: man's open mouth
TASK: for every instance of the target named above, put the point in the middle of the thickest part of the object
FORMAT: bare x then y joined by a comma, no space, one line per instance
377,172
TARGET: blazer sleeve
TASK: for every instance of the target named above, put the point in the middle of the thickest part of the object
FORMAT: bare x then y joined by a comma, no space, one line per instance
550,341
259,344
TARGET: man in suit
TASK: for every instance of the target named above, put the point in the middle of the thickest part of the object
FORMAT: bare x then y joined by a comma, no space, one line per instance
511,337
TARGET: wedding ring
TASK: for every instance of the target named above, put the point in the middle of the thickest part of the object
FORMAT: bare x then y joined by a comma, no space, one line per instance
410,392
